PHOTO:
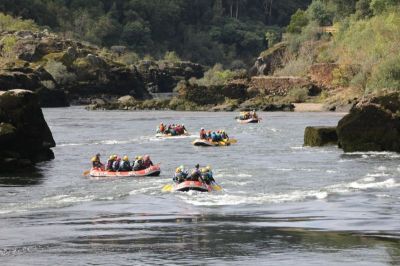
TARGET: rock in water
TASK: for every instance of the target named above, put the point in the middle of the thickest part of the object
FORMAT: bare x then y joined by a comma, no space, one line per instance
320,136
25,137
372,125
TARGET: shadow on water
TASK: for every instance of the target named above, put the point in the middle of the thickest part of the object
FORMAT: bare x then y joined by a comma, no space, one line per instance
217,237
25,177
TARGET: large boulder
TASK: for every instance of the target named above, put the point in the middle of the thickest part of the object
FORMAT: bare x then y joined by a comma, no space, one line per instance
372,125
25,137
320,136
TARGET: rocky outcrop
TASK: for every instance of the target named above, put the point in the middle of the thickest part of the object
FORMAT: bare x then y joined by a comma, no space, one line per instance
277,86
163,76
25,137
269,60
372,125
320,136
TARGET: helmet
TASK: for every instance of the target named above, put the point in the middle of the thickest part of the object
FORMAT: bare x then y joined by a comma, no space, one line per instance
203,170
197,166
93,159
208,167
115,156
98,155
111,157
125,158
178,170
202,128
139,157
181,167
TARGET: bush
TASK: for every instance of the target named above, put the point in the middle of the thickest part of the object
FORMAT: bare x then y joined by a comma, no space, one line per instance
216,76
9,23
297,95
129,58
59,72
386,75
7,43
344,74
171,56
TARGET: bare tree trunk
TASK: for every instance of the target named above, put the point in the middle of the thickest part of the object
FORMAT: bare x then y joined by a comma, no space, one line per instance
237,9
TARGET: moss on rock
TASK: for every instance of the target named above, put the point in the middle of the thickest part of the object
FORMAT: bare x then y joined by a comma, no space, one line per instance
320,136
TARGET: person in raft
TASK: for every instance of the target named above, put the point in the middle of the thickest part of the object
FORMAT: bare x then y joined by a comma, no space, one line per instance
110,162
180,174
147,161
253,114
96,163
203,133
207,175
161,128
138,164
195,175
125,165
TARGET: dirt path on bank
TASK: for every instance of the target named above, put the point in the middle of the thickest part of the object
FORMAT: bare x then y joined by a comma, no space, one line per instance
309,107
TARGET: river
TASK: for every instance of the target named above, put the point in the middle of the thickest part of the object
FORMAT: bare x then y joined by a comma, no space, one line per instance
281,203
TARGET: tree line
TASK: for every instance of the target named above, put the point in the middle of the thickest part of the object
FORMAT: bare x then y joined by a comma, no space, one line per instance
231,32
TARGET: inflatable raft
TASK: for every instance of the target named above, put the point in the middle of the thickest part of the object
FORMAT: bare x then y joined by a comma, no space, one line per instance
161,135
151,171
247,121
207,143
191,185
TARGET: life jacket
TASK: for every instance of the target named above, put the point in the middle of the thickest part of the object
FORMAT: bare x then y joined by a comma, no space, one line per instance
194,176
110,164
115,165
124,166
138,165
147,163
214,137
180,177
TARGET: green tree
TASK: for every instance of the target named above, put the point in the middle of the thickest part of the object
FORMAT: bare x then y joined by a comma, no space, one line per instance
297,22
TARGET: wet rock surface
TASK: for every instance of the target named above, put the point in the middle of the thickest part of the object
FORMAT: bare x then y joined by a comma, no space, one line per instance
25,137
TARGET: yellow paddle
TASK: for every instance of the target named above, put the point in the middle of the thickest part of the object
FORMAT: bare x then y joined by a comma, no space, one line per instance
216,187
86,172
233,141
167,188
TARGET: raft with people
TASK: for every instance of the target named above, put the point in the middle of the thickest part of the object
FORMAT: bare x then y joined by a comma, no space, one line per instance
248,117
199,179
153,170
174,130
122,167
213,138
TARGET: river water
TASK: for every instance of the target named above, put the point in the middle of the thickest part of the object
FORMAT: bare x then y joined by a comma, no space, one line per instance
282,203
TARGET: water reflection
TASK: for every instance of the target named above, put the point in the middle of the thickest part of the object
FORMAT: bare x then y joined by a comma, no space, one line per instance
204,237
24,177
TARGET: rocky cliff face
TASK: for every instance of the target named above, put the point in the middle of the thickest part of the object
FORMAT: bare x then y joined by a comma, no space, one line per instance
63,70
372,125
25,137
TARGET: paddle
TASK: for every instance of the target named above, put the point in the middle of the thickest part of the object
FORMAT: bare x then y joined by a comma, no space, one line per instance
167,188
215,186
233,141
86,172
